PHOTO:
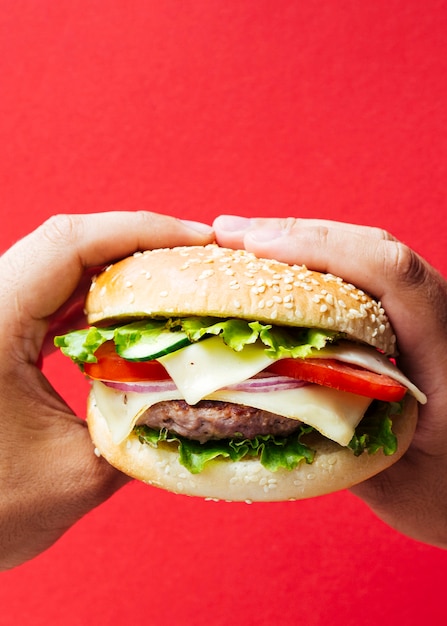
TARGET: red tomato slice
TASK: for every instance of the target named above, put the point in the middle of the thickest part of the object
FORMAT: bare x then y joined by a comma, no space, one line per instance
111,366
342,376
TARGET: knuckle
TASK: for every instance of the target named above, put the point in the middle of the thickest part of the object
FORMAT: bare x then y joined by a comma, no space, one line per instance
406,266
322,236
381,234
288,224
285,225
62,229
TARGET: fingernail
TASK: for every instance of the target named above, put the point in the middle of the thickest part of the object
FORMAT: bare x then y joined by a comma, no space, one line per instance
198,227
232,223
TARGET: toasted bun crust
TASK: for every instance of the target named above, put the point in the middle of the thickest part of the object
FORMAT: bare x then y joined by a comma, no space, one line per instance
334,468
220,282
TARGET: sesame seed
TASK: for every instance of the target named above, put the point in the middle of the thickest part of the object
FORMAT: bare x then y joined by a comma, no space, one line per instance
353,313
206,274
163,294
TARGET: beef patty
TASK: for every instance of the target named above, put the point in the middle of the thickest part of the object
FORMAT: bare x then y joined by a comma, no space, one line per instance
210,419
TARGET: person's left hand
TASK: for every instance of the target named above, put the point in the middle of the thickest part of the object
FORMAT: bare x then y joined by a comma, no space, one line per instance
49,474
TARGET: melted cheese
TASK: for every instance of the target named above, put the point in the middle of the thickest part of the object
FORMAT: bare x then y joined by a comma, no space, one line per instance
203,370
122,410
333,413
204,367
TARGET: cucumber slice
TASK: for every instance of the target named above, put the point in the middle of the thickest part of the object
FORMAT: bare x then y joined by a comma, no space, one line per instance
153,344
147,340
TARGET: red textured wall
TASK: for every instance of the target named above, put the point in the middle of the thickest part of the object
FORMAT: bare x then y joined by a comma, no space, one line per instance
193,108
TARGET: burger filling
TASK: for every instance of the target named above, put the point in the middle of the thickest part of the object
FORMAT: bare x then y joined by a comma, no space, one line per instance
232,388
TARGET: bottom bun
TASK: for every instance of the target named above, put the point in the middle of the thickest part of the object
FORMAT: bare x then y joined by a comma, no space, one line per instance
333,469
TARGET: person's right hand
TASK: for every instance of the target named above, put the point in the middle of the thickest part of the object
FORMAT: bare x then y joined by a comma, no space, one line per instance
411,495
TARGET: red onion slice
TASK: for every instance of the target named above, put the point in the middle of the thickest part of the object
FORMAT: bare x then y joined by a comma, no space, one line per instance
261,383
265,384
156,386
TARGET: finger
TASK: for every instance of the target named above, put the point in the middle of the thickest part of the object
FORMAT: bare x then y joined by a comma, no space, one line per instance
231,230
370,258
42,270
71,315
321,245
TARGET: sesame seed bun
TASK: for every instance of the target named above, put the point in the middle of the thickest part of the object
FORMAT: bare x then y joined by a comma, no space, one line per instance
333,469
214,281
219,282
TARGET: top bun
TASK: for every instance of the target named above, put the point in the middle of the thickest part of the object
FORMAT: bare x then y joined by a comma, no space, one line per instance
219,282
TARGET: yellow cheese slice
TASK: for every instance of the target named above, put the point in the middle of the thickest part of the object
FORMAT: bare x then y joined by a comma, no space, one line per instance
333,413
204,367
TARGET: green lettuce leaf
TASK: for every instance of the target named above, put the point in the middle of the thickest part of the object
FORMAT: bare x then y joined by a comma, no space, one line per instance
273,452
375,430
372,434
81,345
279,342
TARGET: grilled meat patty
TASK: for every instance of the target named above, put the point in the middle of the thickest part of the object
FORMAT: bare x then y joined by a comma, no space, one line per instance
210,419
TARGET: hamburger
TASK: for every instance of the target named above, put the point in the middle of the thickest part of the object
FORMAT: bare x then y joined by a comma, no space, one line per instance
218,374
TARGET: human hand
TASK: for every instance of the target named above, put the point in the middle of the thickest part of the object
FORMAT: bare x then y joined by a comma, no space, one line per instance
48,472
411,495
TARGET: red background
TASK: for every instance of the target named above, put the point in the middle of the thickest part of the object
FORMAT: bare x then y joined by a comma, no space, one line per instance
194,108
